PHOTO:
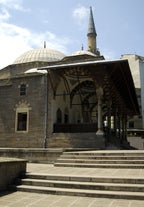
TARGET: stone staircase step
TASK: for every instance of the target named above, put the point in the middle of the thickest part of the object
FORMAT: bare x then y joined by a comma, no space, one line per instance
89,165
82,192
102,159
85,185
93,186
75,140
107,153
126,180
92,161
98,157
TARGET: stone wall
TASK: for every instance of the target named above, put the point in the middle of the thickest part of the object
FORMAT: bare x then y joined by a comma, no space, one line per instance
10,169
32,155
34,100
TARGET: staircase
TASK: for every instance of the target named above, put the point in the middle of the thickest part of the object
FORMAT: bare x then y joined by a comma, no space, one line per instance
102,159
76,140
90,185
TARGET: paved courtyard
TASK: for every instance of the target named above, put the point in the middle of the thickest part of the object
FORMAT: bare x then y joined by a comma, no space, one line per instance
24,199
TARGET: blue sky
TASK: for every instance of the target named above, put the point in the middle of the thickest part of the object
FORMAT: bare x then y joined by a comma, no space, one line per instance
26,24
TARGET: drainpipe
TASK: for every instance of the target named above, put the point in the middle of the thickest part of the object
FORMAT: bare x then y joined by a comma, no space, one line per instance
46,110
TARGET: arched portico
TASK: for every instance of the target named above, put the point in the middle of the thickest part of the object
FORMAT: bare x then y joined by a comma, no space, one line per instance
100,89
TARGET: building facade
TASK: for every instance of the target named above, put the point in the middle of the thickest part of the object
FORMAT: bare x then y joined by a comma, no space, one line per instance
48,99
136,63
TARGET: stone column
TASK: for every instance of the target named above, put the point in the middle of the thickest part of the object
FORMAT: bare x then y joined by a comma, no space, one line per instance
124,138
109,121
125,127
115,122
99,93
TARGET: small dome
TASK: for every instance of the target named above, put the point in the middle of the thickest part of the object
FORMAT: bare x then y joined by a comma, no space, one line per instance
44,55
83,52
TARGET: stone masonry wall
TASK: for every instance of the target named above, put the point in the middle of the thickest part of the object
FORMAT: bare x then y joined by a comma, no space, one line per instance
10,169
10,99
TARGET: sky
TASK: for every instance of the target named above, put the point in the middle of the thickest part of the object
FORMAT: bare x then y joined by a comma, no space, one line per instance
63,24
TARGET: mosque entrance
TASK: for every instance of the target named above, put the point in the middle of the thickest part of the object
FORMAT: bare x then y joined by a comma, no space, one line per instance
98,98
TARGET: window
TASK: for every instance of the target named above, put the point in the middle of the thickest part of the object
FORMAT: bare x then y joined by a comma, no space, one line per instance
22,89
22,116
22,121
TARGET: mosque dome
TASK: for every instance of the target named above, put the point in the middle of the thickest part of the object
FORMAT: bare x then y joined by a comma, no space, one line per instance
83,52
43,54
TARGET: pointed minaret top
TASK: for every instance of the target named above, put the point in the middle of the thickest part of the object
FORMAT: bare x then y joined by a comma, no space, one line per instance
44,44
91,26
82,48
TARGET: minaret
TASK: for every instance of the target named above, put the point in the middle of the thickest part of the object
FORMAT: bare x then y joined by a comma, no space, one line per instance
92,47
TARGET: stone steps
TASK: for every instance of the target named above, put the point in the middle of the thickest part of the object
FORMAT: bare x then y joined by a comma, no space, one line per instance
132,166
98,157
81,192
84,186
105,186
97,179
119,153
102,159
75,140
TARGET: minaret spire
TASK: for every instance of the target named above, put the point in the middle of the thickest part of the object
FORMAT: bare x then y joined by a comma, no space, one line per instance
92,47
44,44
91,26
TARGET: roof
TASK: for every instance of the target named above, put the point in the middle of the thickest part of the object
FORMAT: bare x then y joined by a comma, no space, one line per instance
119,74
43,54
83,52
84,63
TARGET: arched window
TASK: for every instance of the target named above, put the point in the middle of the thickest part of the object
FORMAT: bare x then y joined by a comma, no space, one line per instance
59,116
22,121
22,117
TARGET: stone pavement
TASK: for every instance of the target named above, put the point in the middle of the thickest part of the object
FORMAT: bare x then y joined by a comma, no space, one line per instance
25,199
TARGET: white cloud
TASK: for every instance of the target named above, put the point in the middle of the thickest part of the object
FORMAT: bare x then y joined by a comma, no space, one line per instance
15,40
12,4
80,14
13,43
4,14
12,37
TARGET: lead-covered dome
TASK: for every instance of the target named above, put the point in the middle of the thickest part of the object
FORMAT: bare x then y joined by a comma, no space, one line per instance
83,52
43,54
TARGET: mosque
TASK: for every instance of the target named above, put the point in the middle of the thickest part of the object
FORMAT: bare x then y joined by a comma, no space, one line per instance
49,100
